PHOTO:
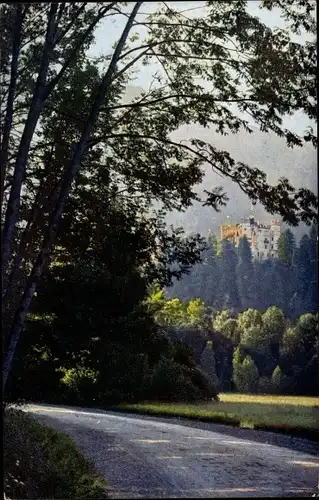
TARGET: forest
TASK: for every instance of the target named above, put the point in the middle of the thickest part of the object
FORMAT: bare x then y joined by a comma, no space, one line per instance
229,278
258,320
254,333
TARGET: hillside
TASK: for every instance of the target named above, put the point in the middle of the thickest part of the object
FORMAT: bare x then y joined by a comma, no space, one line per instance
263,150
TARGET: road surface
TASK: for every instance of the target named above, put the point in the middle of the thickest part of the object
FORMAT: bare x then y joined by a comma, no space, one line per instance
148,458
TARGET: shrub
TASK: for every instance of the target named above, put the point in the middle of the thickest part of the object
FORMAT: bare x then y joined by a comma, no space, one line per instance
165,380
265,386
122,375
40,462
78,384
170,381
207,390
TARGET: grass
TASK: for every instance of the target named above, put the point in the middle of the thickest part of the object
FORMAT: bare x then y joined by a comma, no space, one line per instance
40,462
298,416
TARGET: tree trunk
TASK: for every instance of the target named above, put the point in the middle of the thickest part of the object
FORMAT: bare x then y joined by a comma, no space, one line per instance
12,88
41,201
22,157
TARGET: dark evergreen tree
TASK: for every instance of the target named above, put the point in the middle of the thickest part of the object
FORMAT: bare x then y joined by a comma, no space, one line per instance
208,363
201,277
281,286
311,298
304,274
272,286
228,297
246,275
262,282
202,280
212,272
295,300
286,247
289,282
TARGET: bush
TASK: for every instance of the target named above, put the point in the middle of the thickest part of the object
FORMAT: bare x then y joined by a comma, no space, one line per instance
40,462
281,383
208,364
78,384
207,390
164,381
122,375
170,381
265,386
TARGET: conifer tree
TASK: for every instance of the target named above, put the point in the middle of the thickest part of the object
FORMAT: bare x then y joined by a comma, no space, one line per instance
246,275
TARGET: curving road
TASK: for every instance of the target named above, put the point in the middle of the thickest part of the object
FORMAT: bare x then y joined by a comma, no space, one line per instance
150,458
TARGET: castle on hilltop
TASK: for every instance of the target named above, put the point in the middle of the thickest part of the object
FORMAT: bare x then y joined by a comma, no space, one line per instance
263,238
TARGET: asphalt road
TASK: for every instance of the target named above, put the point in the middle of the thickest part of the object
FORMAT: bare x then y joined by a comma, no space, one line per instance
148,458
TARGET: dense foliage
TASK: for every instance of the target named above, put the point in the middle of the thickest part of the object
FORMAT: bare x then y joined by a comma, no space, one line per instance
90,337
98,333
253,351
228,277
263,316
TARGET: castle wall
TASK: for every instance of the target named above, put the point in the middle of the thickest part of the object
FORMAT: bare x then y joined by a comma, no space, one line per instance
262,237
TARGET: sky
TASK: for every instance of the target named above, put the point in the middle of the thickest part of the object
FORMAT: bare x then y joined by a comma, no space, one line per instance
110,29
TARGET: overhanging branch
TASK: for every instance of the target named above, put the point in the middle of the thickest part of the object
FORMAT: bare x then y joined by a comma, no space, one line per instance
96,141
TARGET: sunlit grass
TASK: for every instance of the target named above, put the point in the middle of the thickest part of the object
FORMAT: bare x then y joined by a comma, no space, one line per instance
270,399
286,412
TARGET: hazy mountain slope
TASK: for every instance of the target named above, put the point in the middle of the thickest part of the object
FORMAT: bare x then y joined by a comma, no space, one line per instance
263,150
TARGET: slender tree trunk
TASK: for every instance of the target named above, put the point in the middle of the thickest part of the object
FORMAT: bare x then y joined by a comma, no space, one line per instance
71,172
41,200
12,88
31,122
27,248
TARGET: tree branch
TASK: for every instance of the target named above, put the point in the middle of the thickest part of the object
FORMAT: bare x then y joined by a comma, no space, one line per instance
77,46
149,47
201,58
61,10
12,87
153,44
173,143
203,97
71,23
27,234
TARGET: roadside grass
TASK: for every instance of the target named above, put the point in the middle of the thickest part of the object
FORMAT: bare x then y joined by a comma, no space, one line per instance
39,462
292,415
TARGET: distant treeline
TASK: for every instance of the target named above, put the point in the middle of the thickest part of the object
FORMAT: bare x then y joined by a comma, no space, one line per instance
229,278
